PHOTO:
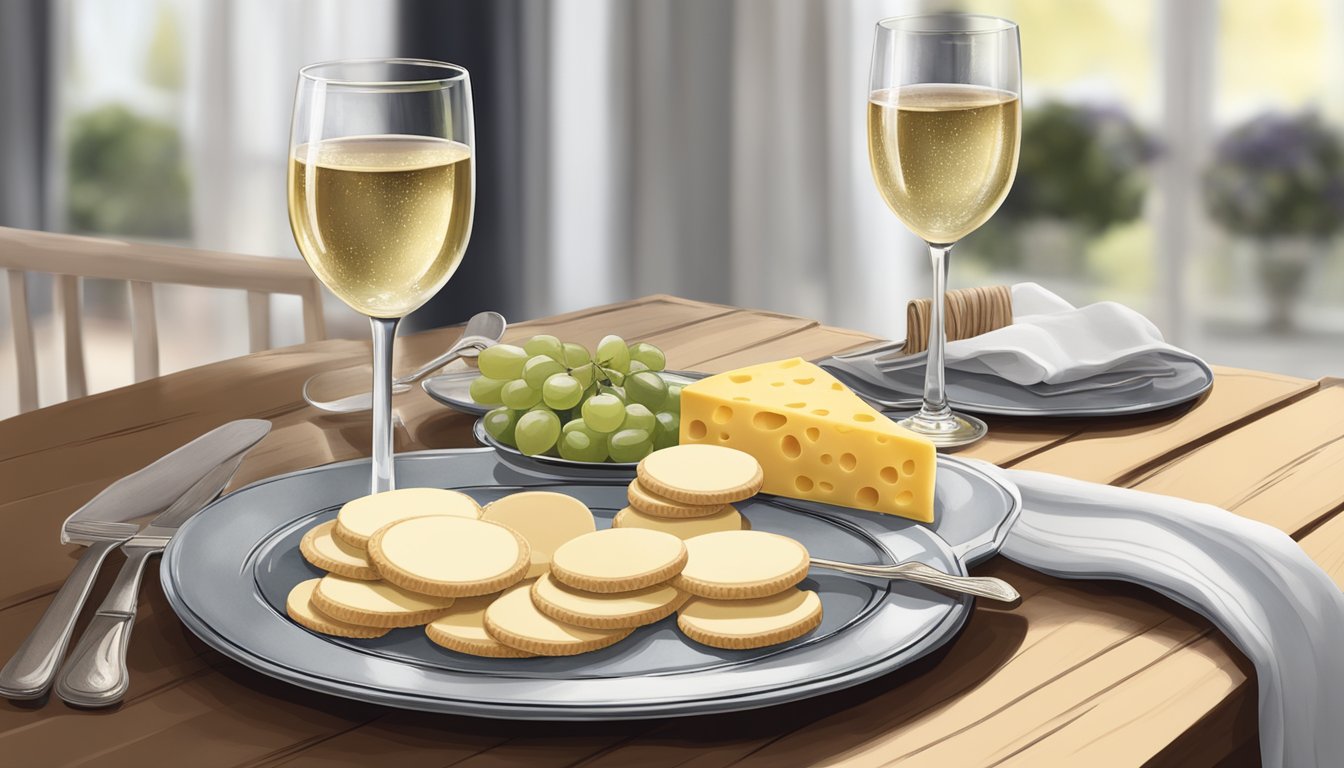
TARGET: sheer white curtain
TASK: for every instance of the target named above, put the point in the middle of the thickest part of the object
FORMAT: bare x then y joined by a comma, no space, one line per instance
717,150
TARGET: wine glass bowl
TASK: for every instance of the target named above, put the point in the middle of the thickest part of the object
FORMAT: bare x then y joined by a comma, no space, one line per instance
382,196
944,115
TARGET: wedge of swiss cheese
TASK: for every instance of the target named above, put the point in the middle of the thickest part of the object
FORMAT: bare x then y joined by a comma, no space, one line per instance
813,437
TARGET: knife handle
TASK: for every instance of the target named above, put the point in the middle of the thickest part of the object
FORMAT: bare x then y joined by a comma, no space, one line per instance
96,675
29,673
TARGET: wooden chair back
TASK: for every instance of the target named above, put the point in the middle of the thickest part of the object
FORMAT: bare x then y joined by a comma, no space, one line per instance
69,258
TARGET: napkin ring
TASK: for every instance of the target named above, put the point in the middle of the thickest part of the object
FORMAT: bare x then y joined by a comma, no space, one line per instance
968,312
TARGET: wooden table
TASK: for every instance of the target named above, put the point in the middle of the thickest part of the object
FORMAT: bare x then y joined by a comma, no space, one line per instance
1081,673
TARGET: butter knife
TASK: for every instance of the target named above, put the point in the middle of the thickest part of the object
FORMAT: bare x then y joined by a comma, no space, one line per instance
103,524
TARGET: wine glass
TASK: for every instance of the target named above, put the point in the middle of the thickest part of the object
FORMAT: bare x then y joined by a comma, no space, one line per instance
382,189
943,132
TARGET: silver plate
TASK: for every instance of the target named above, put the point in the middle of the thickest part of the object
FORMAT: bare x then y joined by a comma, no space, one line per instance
995,396
453,390
228,570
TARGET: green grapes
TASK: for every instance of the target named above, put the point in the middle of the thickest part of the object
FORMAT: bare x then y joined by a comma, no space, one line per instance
502,361
603,413
545,344
536,431
540,368
518,395
646,388
556,398
485,390
561,392
629,445
500,424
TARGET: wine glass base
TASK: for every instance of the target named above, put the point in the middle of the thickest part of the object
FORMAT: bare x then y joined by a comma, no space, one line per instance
952,431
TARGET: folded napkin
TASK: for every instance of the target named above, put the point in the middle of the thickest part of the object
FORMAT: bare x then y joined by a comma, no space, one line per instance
1253,582
1049,342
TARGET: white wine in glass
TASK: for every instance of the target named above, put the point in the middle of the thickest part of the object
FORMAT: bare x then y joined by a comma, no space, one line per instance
381,197
944,115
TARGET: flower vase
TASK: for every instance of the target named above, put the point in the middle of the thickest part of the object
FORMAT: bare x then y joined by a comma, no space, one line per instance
1282,266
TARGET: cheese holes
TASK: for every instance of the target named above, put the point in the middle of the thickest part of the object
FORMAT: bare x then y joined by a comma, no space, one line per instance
821,412
776,383
908,467
881,439
791,363
789,445
848,462
837,386
889,475
864,417
803,483
826,458
866,497
769,420
795,405
804,382
813,434
739,378
904,499
723,414
723,437
742,399
697,429
825,486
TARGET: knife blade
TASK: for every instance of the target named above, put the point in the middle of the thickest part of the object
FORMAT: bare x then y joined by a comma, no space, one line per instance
95,675
103,524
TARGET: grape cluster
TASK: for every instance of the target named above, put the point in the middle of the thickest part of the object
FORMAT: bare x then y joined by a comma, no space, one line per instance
556,398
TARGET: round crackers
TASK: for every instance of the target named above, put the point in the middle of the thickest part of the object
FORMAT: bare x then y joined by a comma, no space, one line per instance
359,519
462,629
740,565
544,519
514,620
742,624
651,503
321,548
618,560
300,608
448,556
701,474
685,527
624,610
375,603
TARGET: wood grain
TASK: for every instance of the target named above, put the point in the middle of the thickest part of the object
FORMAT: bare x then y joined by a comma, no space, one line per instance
1081,673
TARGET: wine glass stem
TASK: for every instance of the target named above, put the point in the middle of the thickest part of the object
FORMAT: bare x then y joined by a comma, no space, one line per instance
935,397
384,332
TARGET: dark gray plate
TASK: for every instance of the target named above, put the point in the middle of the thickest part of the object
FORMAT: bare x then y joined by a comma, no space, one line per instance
228,570
995,396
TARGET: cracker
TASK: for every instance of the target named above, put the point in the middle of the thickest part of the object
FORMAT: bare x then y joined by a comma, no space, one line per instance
701,474
300,608
375,603
544,519
361,518
515,621
683,528
449,556
321,548
742,624
462,629
622,610
740,565
651,503
618,560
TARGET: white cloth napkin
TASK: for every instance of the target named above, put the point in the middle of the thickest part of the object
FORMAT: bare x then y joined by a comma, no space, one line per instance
1253,582
1052,342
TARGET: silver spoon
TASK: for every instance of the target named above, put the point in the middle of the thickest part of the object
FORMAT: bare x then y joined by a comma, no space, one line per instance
484,329
980,586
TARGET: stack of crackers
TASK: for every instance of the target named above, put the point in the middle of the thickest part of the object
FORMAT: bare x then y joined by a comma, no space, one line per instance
529,575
